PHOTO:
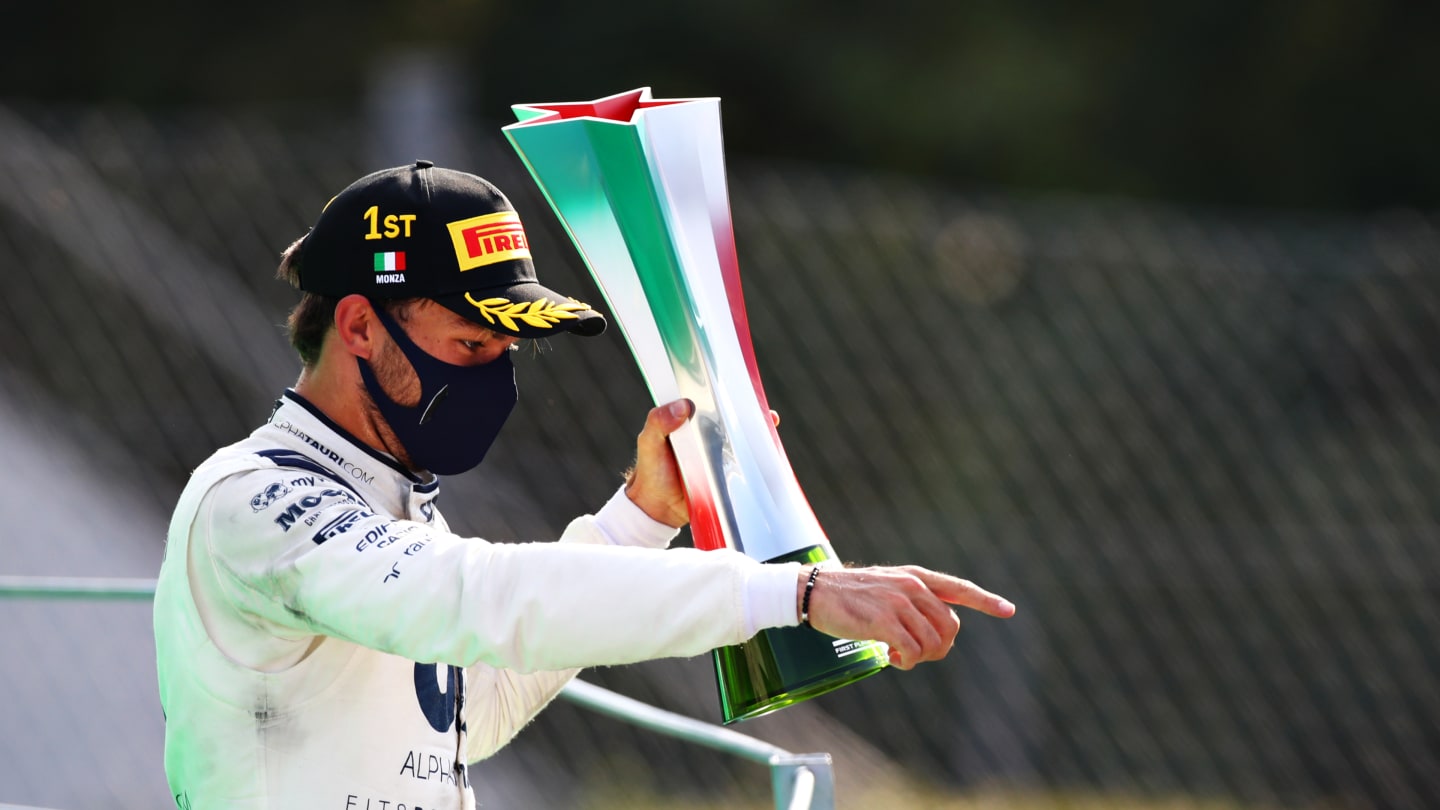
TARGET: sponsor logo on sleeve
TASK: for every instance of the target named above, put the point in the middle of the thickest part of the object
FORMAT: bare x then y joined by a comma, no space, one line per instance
307,504
269,495
339,525
384,535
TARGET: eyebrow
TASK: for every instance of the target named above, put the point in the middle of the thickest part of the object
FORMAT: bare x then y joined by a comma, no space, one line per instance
483,334
460,323
473,330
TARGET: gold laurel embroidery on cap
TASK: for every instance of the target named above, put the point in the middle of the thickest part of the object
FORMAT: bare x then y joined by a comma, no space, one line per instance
541,314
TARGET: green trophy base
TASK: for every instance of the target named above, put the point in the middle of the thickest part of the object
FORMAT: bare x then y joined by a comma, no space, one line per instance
782,666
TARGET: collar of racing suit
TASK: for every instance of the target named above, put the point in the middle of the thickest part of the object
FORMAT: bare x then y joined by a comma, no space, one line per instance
382,481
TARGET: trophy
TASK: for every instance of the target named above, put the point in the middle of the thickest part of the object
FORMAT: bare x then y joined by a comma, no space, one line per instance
639,185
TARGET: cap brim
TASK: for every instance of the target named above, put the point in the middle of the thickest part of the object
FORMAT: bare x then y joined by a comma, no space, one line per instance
526,310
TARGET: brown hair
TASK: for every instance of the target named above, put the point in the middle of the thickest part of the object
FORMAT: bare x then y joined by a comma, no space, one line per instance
312,318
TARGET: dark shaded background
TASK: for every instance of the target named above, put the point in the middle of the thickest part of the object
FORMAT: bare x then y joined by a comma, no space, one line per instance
1326,104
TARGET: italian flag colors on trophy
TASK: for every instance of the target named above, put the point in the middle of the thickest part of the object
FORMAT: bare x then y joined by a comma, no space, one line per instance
639,184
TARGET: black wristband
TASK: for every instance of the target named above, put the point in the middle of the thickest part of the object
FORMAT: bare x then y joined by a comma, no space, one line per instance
805,601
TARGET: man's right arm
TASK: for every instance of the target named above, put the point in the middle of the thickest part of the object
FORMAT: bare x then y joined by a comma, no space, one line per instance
320,562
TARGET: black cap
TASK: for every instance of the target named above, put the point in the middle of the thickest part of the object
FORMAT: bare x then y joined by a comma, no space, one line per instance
424,232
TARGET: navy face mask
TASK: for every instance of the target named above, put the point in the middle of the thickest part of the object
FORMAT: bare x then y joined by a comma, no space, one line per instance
461,410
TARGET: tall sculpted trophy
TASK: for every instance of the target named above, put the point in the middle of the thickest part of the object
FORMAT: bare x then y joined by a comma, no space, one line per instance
639,185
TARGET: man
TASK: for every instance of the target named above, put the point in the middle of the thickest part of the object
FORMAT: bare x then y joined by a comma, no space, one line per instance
324,641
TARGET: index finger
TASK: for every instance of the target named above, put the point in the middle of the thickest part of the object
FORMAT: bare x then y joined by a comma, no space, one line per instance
965,593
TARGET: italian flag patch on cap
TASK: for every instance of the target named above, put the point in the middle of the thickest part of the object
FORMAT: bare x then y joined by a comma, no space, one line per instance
390,262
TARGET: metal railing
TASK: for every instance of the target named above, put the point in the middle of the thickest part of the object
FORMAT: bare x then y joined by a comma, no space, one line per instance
798,781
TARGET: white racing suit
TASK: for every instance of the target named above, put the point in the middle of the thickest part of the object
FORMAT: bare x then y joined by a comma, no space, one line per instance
324,641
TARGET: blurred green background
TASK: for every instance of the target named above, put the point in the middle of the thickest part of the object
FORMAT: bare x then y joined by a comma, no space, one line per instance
1125,311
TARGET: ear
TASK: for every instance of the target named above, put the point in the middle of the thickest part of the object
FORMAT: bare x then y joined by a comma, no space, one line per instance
356,328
